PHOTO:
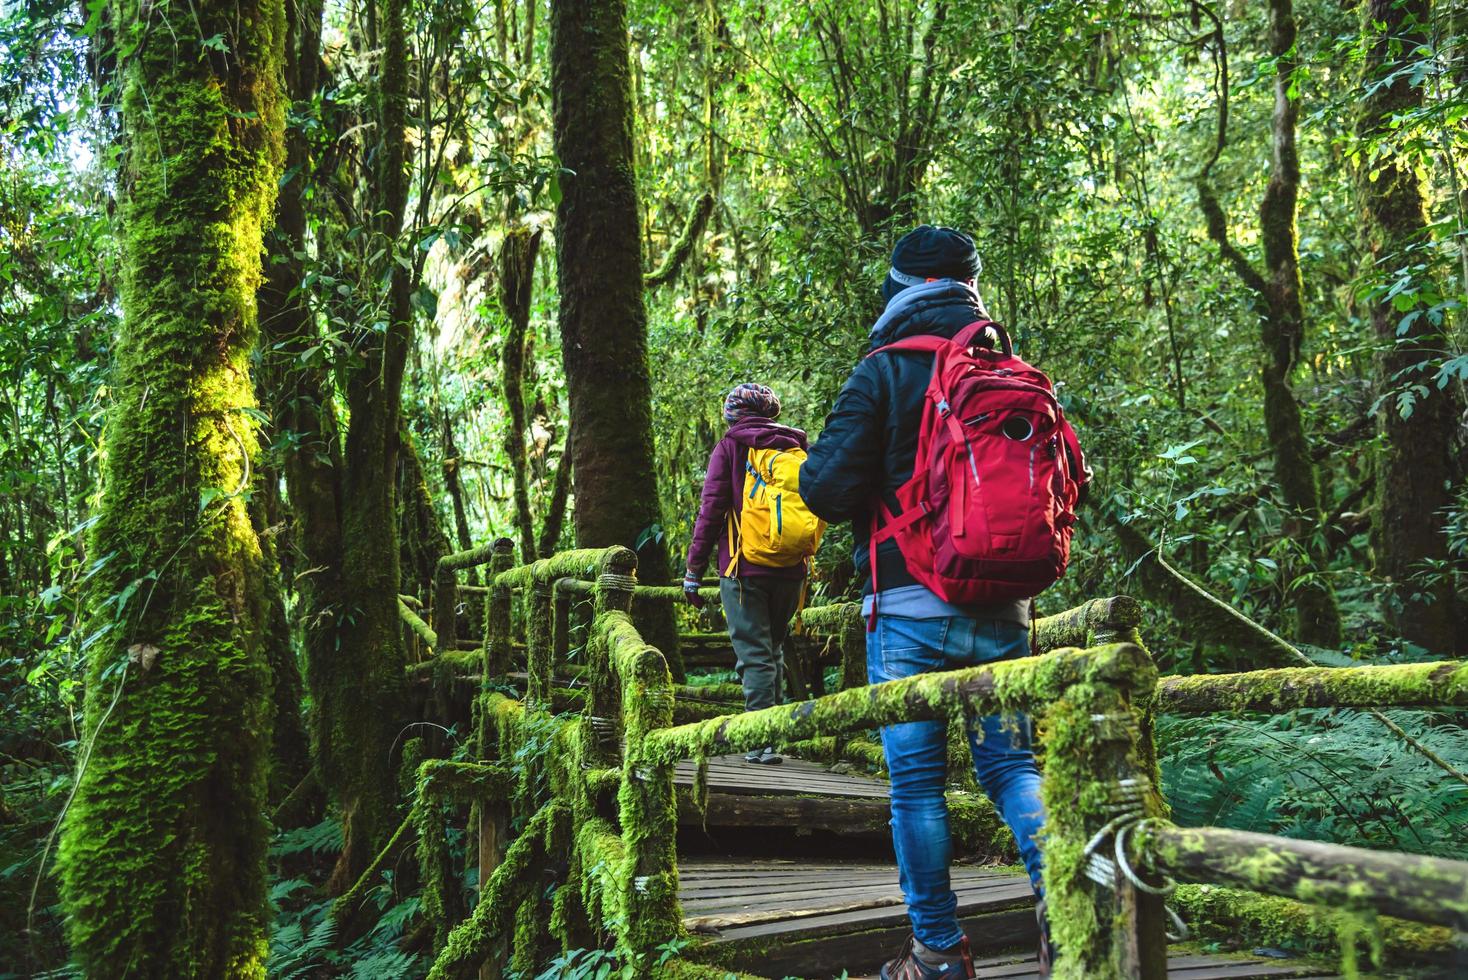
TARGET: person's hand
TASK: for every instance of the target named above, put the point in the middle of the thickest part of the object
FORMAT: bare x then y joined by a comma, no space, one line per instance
690,591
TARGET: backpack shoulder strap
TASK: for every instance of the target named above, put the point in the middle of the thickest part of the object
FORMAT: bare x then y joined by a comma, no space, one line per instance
970,333
921,342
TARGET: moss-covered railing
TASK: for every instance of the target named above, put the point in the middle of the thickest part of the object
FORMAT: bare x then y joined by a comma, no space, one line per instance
1147,850
572,786
564,802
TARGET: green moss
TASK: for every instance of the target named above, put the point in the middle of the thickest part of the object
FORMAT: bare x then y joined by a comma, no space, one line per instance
829,619
435,872
415,623
1273,691
1090,742
1112,620
584,563
647,805
1249,919
452,662
445,779
1008,686
539,644
162,856
978,829
473,939
1424,888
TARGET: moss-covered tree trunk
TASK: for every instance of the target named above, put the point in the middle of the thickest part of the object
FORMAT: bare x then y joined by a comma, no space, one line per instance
602,318
1415,466
1281,330
342,486
516,287
163,848
290,756
360,697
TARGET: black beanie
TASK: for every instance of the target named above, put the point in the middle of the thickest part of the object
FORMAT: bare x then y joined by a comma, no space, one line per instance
931,252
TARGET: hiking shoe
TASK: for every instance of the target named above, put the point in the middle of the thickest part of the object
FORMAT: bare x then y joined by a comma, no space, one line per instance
769,757
917,962
753,756
1045,952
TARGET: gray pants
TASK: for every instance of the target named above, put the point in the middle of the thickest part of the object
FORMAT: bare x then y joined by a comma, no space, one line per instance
758,611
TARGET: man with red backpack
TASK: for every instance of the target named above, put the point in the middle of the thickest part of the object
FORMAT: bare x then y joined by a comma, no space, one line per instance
952,460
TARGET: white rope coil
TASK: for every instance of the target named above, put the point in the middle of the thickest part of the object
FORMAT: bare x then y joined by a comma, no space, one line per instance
612,582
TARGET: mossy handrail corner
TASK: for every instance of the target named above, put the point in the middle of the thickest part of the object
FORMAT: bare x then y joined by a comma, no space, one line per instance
591,790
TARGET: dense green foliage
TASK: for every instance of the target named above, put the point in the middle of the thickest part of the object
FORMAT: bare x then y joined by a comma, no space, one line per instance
1070,138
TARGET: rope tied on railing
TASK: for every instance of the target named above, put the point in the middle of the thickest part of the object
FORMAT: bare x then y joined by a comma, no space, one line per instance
615,582
1128,806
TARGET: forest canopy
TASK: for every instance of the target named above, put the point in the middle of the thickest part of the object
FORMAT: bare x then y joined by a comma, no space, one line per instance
297,298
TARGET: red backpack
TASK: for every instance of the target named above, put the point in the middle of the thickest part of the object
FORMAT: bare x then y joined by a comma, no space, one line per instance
988,512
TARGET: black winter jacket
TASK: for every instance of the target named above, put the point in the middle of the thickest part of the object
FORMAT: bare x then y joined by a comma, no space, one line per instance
869,442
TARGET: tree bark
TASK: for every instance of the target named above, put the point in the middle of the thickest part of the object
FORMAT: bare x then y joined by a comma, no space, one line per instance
343,492
360,698
516,288
1282,327
602,318
1415,466
163,847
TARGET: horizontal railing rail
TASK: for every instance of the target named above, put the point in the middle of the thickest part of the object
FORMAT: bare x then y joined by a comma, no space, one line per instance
1005,687
1442,684
1109,848
1408,886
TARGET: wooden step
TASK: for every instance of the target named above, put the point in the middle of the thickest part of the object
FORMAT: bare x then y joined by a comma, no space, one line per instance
1181,966
795,794
818,919
732,775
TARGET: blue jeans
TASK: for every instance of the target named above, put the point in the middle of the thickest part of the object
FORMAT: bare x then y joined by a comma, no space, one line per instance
917,756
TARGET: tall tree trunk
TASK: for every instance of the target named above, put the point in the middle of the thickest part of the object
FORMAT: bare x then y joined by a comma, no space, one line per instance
516,287
343,490
421,541
290,755
603,322
1415,467
1282,328
452,467
163,848
1282,331
359,697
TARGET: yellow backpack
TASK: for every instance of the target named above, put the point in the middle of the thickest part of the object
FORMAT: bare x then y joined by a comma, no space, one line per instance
775,527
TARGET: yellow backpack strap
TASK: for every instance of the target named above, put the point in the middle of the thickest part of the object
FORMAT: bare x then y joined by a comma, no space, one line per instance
733,548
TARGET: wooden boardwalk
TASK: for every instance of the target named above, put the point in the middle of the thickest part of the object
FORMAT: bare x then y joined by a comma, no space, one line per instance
731,774
817,919
795,794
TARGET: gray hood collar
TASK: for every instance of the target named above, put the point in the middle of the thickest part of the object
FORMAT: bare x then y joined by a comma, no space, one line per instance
905,302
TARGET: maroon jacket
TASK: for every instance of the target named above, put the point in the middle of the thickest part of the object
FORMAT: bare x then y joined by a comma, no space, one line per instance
723,494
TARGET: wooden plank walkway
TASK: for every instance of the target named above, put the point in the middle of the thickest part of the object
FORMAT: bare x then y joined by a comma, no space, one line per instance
731,774
816,919
1183,966
796,794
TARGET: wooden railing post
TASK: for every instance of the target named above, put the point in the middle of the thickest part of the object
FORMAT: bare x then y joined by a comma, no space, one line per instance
853,642
497,613
494,814
614,589
561,601
1095,786
445,607
539,655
